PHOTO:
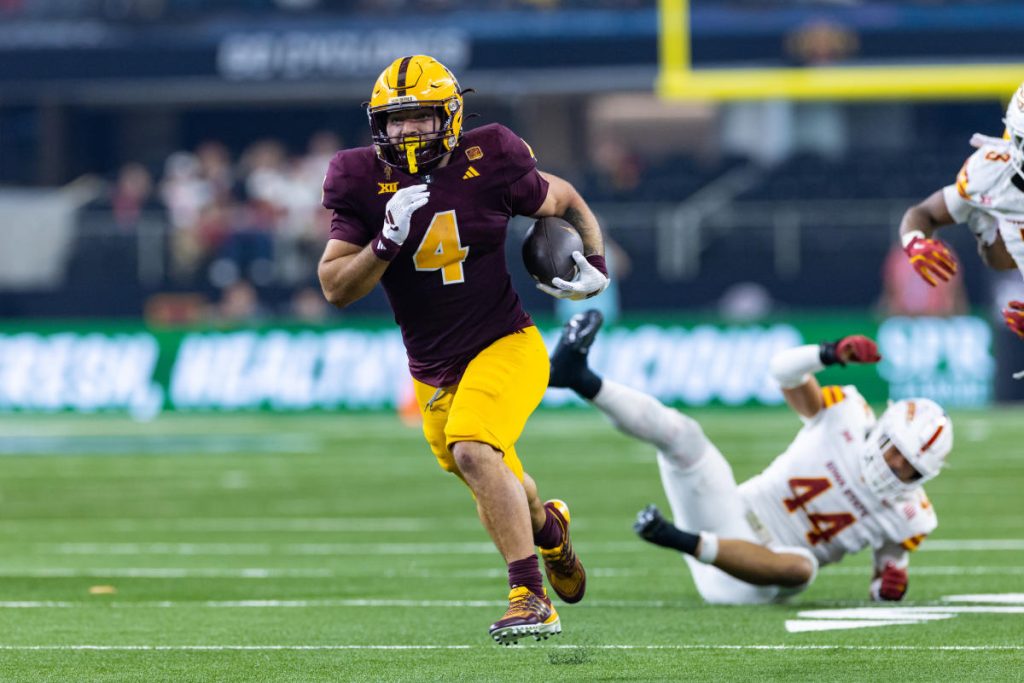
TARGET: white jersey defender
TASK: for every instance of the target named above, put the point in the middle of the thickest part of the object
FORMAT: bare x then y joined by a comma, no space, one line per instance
847,482
819,499
815,495
988,194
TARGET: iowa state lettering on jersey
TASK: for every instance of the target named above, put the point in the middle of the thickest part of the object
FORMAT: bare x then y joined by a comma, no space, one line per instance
848,493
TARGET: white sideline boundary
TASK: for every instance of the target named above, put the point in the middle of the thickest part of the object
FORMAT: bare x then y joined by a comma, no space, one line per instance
771,648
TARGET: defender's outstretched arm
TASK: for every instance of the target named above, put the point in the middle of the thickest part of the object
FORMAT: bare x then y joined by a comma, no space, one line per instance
794,369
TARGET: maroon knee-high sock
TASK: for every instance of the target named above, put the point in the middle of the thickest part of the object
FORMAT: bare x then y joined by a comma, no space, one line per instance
526,572
550,535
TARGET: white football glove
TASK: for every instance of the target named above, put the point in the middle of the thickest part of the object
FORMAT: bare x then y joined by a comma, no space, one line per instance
588,282
399,210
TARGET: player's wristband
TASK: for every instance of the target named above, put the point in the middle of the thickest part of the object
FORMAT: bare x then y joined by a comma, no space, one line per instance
827,353
908,237
385,249
708,547
597,261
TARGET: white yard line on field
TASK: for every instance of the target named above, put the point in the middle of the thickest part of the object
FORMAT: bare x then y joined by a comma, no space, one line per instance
162,444
1012,604
249,524
305,573
918,570
273,604
351,571
987,603
174,573
285,549
972,544
773,648
366,549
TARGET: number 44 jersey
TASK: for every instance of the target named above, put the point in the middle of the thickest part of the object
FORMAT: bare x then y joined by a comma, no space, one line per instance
449,287
813,495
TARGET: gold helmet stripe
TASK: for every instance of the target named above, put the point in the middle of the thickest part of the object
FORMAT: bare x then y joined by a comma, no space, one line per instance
403,69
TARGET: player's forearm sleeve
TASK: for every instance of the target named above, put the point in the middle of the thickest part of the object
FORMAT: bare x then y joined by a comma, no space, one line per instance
793,367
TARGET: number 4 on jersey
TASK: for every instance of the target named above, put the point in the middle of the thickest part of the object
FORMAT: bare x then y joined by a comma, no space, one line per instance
442,250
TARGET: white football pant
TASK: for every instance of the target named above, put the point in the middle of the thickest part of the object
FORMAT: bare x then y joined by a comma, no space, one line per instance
700,487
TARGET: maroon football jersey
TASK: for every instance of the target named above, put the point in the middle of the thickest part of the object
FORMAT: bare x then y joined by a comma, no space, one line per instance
449,287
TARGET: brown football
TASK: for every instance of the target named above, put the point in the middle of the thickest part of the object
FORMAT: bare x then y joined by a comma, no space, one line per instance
547,250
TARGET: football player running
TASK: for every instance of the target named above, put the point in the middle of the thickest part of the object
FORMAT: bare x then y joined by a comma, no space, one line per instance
988,196
844,484
425,211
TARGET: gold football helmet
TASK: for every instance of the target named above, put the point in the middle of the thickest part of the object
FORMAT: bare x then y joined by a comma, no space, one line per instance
409,83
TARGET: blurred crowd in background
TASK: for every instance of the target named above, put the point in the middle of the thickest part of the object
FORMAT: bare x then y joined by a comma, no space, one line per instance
175,173
233,224
255,218
160,10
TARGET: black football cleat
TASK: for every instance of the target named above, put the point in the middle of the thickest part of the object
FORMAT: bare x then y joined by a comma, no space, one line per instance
579,333
569,359
648,523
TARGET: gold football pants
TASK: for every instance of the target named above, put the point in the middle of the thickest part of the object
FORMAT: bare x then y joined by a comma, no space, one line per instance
500,389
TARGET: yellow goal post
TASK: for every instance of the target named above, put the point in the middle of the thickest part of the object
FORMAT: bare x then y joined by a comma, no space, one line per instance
678,80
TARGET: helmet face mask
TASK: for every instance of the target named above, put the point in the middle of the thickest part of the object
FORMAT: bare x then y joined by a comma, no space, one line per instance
413,83
921,432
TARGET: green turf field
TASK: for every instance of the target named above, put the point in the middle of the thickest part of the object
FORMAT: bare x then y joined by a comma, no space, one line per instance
332,548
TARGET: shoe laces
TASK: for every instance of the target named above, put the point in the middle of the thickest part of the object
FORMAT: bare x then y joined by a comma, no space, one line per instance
562,559
524,603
